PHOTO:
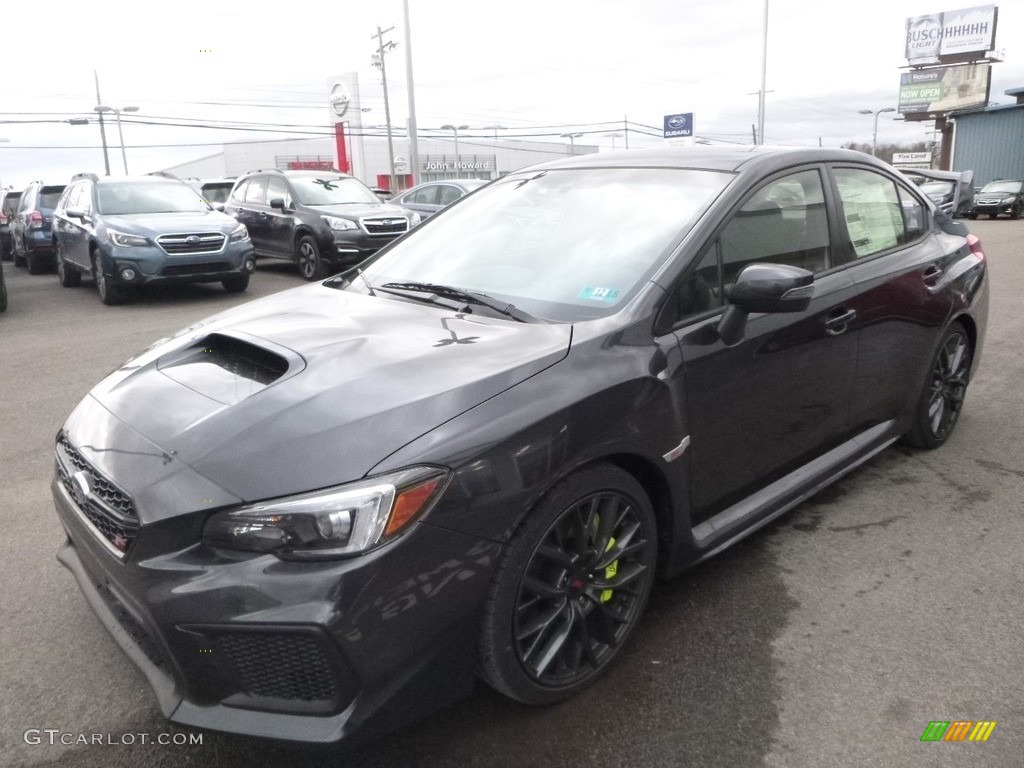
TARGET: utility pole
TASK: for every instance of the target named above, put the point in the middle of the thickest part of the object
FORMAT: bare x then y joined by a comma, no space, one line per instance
382,49
103,131
414,149
764,77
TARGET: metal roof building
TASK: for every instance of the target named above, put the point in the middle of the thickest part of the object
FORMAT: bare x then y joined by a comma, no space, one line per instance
990,141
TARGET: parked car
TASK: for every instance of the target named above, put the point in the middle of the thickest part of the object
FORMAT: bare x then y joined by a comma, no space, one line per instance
136,231
952,191
999,196
431,196
474,452
324,221
32,226
215,191
8,206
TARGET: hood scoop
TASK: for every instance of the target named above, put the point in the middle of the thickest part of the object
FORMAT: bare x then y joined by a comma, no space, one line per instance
229,368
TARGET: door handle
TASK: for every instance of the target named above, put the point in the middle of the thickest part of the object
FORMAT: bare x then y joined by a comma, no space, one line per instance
837,324
932,274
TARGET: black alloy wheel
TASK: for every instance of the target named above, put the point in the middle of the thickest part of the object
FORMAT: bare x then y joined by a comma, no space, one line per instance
308,255
1015,211
572,587
69,276
109,294
943,396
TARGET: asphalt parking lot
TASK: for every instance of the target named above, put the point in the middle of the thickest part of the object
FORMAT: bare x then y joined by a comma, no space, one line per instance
830,638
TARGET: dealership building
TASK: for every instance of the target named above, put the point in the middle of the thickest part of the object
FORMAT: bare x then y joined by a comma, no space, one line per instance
476,157
990,141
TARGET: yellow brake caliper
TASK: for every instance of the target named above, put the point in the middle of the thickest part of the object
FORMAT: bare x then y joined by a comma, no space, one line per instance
609,573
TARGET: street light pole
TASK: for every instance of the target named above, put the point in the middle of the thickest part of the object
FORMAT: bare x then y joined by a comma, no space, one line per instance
874,134
455,131
572,141
103,130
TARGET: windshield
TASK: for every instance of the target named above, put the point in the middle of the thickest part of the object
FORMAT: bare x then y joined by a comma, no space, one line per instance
1006,187
132,197
937,188
563,245
332,190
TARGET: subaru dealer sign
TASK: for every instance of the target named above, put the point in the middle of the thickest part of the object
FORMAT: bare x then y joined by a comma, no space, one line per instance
679,126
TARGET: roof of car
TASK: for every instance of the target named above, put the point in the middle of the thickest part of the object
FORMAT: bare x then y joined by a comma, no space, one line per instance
712,158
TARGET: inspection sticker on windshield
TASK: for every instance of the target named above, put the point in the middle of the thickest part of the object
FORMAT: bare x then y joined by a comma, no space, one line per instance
607,295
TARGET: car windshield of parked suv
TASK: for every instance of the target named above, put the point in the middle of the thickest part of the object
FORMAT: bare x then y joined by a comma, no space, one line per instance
135,197
562,245
1002,187
332,190
937,189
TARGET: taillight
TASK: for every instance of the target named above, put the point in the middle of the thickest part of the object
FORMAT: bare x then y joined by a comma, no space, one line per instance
975,245
35,220
3,218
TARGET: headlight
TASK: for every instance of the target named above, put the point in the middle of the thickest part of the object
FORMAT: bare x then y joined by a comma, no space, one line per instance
339,224
346,520
240,234
120,238
414,220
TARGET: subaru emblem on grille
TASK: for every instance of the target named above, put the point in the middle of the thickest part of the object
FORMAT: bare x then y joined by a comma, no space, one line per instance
81,486
386,222
192,240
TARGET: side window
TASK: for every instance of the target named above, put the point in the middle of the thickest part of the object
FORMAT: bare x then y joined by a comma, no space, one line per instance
257,189
278,188
85,198
914,214
783,222
700,291
425,196
238,193
871,210
449,194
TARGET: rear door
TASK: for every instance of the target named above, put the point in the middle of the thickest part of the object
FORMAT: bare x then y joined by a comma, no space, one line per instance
901,266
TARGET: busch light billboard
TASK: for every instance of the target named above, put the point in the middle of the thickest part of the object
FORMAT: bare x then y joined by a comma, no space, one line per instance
678,129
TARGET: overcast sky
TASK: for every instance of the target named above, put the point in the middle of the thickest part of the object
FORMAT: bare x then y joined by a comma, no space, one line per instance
533,67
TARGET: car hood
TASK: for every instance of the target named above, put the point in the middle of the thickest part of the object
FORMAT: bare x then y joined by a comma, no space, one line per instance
152,224
314,386
356,211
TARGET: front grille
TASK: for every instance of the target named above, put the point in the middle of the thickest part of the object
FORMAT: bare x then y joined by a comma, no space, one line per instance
108,509
205,267
195,242
385,225
290,666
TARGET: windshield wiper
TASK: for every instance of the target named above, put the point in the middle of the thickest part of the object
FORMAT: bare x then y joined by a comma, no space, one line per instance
457,294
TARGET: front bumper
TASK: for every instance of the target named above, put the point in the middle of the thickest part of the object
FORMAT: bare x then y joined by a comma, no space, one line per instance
989,208
310,652
152,265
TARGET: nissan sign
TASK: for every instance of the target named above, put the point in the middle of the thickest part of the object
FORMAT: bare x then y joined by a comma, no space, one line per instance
340,99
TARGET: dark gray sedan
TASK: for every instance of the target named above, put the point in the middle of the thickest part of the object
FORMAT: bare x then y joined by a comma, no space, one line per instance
322,513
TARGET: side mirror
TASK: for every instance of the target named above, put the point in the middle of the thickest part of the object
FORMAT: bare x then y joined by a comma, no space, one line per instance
767,288
75,213
277,202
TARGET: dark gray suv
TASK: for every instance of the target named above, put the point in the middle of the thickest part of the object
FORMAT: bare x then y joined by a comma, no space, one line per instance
324,221
130,232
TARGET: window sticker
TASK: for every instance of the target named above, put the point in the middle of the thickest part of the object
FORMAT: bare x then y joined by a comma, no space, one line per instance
605,295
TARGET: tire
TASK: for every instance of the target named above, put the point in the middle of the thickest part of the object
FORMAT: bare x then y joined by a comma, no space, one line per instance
109,294
235,283
19,261
561,604
1015,212
972,216
3,294
942,397
69,276
307,255
993,215
35,262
